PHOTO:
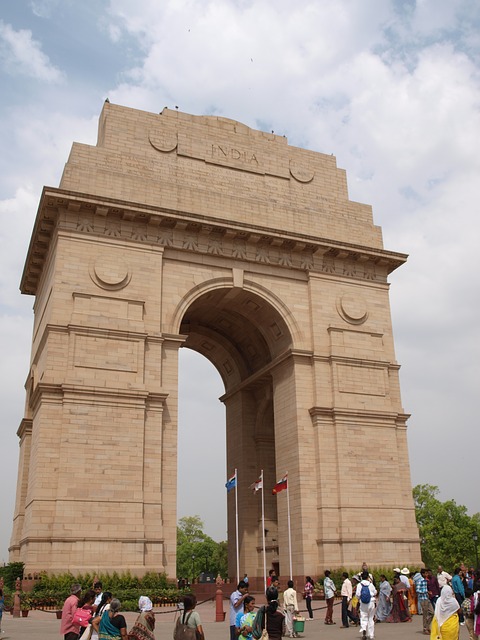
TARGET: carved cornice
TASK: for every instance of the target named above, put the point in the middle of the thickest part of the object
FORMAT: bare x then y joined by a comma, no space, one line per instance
25,428
331,414
118,220
71,393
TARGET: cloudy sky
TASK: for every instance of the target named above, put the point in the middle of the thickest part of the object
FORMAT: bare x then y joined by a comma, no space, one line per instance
391,87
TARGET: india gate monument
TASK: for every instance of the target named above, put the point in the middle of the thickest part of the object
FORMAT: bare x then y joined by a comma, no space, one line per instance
181,231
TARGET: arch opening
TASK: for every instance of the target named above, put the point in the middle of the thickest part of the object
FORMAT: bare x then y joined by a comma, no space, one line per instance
241,334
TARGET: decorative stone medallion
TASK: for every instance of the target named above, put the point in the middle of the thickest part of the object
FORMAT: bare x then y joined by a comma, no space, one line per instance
352,308
163,141
110,273
301,172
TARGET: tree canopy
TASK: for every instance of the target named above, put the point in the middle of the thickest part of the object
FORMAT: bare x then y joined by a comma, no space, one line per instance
446,530
197,552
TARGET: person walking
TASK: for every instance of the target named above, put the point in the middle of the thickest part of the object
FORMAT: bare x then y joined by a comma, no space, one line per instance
384,604
424,601
366,594
329,589
290,606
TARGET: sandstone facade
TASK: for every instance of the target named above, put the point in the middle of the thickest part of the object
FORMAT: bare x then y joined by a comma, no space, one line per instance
185,231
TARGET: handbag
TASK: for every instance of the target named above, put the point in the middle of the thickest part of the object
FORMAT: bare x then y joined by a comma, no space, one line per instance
82,617
264,635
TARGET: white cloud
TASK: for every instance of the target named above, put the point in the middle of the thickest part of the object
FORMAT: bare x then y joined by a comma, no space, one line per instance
21,54
44,8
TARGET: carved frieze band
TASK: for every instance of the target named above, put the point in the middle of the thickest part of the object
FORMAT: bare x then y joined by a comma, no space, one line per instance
173,230
262,249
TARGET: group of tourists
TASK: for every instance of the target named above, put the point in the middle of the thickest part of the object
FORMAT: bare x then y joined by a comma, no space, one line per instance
444,601
95,615
248,624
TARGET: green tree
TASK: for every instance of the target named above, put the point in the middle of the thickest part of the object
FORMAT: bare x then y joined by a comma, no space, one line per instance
197,552
445,528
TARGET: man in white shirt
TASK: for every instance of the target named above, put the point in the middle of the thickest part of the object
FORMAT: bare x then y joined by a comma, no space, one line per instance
346,593
442,576
367,609
290,605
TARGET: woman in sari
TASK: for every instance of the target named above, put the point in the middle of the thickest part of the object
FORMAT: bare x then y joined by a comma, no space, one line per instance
104,605
399,611
412,597
145,623
384,606
112,625
245,619
445,624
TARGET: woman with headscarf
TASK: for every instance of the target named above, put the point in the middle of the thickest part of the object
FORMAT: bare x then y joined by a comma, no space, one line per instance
445,624
145,623
384,606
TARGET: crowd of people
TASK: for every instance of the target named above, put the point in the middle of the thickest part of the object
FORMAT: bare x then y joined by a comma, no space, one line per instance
96,615
444,601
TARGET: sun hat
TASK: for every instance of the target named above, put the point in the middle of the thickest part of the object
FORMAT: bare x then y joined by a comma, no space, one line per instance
405,571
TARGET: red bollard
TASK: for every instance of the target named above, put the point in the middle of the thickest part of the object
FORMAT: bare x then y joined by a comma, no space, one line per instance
219,612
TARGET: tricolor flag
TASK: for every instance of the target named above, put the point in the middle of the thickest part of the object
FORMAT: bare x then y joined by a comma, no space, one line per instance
257,485
281,485
231,483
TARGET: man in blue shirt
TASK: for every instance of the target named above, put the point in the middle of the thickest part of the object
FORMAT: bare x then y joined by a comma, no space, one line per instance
421,587
236,605
459,591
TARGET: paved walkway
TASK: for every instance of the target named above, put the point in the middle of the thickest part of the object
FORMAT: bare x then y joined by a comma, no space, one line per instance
44,626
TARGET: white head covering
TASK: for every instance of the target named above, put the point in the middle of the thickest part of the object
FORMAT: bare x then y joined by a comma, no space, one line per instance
145,604
446,605
405,571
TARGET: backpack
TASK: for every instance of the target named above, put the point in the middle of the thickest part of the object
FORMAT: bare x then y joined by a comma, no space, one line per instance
365,595
182,631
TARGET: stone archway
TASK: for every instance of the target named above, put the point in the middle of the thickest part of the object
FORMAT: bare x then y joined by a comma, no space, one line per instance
245,337
177,230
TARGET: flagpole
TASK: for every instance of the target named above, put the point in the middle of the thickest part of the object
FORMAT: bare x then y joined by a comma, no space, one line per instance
263,541
236,525
289,532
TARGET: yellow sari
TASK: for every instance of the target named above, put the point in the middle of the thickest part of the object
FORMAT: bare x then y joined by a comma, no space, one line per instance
448,631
